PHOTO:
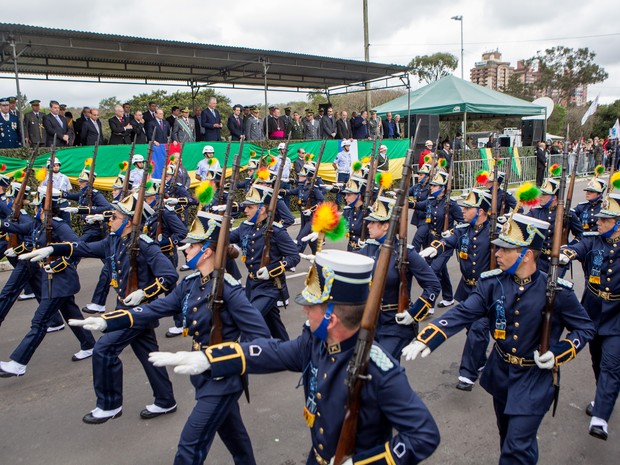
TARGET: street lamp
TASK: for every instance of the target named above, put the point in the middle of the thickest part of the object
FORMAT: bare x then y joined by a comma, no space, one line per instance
460,18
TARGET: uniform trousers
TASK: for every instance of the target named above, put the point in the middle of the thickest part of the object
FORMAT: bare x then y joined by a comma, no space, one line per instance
304,230
38,327
108,368
606,351
342,178
267,306
440,267
517,433
475,350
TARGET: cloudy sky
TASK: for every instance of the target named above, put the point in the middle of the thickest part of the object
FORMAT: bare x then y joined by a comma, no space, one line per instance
399,30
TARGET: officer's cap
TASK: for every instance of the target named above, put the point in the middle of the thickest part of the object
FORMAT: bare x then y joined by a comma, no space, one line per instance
337,277
62,106
287,108
208,149
12,99
550,186
4,101
120,180
354,185
596,185
185,110
382,209
206,227
152,187
522,231
14,188
170,169
478,198
440,179
272,107
258,195
35,102
425,169
252,165
610,207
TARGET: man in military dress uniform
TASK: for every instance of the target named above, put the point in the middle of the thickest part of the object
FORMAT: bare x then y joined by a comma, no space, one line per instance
33,125
419,192
586,211
322,354
512,299
254,126
354,211
10,137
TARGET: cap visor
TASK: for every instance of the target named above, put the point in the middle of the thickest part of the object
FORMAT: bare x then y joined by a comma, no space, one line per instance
504,244
299,299
189,240
604,215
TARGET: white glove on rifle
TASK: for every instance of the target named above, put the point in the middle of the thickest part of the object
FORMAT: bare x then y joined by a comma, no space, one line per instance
171,201
313,236
404,318
361,243
564,260
38,254
429,252
545,361
307,212
69,209
263,273
414,349
446,234
10,252
184,363
92,219
91,323
308,257
502,219
218,208
134,298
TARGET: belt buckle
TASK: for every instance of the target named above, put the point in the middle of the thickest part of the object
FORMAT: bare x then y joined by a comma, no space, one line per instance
319,459
514,360
604,295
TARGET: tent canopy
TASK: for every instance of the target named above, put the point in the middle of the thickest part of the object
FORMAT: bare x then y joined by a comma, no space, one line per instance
451,97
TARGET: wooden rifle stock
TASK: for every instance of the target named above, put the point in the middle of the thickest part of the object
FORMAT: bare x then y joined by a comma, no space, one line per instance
18,203
569,198
126,180
493,219
159,206
91,175
220,193
312,182
446,216
370,187
358,365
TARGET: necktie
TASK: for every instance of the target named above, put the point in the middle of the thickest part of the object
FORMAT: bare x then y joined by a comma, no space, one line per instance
96,125
161,124
58,119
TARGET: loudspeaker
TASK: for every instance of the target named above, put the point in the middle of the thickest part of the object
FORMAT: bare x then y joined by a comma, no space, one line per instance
504,141
325,106
429,129
532,131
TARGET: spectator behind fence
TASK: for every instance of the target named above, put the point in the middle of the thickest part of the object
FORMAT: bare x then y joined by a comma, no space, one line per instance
296,127
120,127
328,125
343,127
160,127
375,127
55,124
254,126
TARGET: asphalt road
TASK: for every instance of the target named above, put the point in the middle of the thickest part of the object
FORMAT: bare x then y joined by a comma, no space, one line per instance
40,413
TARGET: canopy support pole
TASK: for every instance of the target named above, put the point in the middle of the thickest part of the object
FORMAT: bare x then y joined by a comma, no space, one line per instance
20,107
464,141
266,64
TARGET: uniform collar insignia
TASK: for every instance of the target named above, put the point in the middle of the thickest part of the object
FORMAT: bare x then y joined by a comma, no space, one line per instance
612,240
524,281
333,348
205,279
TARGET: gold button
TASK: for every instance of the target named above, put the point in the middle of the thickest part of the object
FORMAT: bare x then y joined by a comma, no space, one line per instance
517,312
473,263
195,310
194,322
611,261
333,359
514,350
318,414
324,375
607,289
196,333
521,288
518,298
475,238
318,395
320,430
608,279
609,270
515,337
517,324
473,271
320,446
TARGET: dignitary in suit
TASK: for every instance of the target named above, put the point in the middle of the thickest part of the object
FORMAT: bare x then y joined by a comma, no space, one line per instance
120,127
138,128
175,113
77,124
10,137
211,121
56,125
359,125
389,127
312,127
328,125
92,129
343,127
235,123
159,127
184,129
149,115
200,132
33,125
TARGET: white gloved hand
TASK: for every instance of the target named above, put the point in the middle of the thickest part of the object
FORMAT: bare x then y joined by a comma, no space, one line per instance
502,219
446,234
308,257
134,298
10,253
91,323
545,361
348,461
361,243
171,201
263,273
404,318
218,208
92,219
313,236
69,209
564,260
307,212
184,363
414,349
429,252
183,247
38,254
390,193
327,187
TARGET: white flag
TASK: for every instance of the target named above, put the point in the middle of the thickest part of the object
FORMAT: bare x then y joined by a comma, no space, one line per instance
590,111
615,131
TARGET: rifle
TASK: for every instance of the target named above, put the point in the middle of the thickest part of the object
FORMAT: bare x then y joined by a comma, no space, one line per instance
126,180
552,279
493,219
506,181
357,370
403,263
159,205
19,198
370,187
47,208
446,217
569,195
315,176
220,193
136,227
91,175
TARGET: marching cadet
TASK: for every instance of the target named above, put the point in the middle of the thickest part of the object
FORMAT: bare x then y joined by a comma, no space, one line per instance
597,252
321,354
216,407
156,275
249,179
137,172
396,330
546,212
61,284
265,286
419,191
512,298
586,212
471,241
354,210
434,209
209,161
283,211
309,198
510,202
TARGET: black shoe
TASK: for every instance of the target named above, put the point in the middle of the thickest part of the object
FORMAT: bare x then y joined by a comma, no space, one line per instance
598,432
462,386
589,409
6,374
90,311
91,420
146,414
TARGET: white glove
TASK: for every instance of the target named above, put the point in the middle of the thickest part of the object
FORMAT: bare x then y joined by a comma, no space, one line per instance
429,252
70,209
10,253
564,260
502,219
38,254
361,243
91,323
404,318
313,236
545,361
92,219
183,247
348,461
184,363
327,187
307,212
446,234
308,257
134,298
414,349
218,208
171,201
263,273
390,193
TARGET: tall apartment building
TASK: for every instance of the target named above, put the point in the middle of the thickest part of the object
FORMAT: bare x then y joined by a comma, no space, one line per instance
491,72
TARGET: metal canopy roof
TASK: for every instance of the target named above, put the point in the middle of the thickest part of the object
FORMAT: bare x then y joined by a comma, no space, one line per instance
111,58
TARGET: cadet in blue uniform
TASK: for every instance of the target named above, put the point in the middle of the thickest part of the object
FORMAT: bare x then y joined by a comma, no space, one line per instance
471,241
354,210
216,408
396,330
57,292
512,298
419,192
510,203
597,252
586,211
308,202
249,179
434,210
10,137
156,275
265,286
322,354
546,212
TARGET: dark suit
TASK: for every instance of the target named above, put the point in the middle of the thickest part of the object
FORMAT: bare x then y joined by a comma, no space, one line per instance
119,135
360,128
160,136
386,129
139,132
235,126
171,120
207,120
328,127
89,133
53,127
343,129
199,130
77,127
147,118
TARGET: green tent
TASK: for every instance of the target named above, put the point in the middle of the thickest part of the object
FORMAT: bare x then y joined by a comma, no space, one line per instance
455,99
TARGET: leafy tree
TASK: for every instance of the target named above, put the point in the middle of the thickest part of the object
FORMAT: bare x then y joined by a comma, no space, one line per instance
430,68
180,99
604,118
518,89
556,124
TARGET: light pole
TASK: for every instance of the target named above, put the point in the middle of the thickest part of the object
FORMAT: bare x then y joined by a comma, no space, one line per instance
460,18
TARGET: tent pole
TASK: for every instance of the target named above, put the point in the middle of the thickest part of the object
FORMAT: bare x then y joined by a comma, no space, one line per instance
265,68
20,107
464,142
409,135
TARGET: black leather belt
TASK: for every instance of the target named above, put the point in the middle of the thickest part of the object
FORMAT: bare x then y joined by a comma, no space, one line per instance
513,359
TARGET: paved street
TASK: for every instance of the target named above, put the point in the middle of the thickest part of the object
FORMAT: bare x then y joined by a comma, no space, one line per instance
40,413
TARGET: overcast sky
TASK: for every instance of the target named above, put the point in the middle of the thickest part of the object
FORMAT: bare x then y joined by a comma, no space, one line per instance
399,30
